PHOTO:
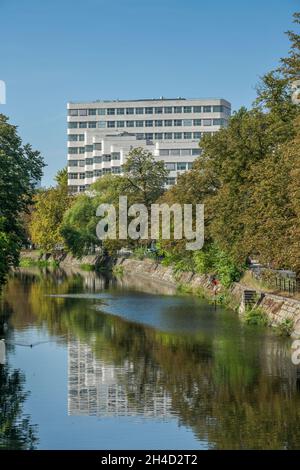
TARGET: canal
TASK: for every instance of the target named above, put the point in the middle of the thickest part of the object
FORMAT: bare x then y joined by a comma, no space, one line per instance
97,363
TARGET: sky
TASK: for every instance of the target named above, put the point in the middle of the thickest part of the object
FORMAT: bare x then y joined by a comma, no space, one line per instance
55,51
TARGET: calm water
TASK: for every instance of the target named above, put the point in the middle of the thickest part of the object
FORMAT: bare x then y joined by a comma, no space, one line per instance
133,365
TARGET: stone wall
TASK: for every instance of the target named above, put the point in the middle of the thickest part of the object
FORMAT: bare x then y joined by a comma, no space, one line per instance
277,308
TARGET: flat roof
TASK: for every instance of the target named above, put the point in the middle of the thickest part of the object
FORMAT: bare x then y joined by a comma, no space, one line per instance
161,98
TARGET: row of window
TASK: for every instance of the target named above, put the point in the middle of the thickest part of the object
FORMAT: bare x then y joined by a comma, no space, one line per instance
83,187
146,136
94,174
147,123
149,110
172,166
179,152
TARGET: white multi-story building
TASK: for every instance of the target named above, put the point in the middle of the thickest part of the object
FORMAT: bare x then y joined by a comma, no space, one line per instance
101,133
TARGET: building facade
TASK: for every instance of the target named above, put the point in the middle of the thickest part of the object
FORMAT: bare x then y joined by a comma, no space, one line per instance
101,133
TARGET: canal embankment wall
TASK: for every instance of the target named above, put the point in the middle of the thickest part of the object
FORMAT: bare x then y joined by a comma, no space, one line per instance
278,309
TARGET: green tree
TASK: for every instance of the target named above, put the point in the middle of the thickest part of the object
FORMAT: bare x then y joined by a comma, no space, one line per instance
21,168
144,176
50,206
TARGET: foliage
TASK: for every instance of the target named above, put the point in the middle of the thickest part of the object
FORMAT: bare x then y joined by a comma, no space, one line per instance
286,327
256,316
21,168
144,176
46,220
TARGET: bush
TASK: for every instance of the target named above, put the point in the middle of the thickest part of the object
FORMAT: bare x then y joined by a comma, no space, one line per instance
286,327
256,316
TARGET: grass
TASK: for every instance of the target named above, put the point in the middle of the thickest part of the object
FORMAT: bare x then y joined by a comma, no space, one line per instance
285,328
87,267
256,316
118,271
29,262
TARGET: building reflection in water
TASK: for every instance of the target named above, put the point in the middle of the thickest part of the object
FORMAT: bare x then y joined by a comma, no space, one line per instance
97,388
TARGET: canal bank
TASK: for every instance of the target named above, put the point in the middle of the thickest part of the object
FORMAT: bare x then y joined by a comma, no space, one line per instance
280,311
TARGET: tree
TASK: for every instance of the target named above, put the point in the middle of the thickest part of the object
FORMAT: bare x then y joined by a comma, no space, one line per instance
21,167
50,206
144,176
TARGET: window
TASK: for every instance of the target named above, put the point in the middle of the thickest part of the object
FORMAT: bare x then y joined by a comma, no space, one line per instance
196,152
168,136
197,135
98,146
187,135
177,135
101,124
187,122
207,109
73,163
110,123
158,123
158,135
197,122
177,109
139,123
164,153
177,122
175,152
81,163
82,188
149,136
149,110
170,166
120,123
72,125
129,110
98,159
185,152
101,111
139,110
187,109
82,112
89,148
89,174
110,111
168,109
88,161
92,112
216,122
72,138
139,136
97,173
81,176
81,137
116,169
72,150
197,109
159,110
83,125
190,165
115,156
149,123
106,158
206,122
92,124
73,112
106,170
81,149
170,181
168,122
130,123
217,109
181,166
120,111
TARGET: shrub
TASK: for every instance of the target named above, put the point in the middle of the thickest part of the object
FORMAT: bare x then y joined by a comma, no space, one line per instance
256,316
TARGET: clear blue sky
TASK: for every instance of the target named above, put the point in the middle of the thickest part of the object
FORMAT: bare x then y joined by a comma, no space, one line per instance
54,51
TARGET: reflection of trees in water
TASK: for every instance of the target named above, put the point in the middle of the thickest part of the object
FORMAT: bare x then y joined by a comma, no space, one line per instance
233,390
16,432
